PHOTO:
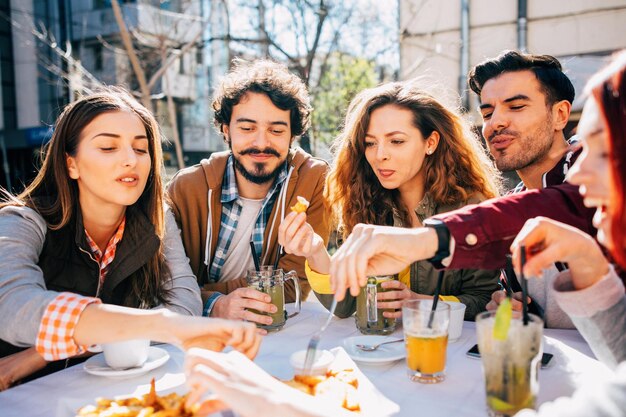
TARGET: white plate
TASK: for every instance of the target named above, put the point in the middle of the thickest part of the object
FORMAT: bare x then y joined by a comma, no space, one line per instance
97,366
386,353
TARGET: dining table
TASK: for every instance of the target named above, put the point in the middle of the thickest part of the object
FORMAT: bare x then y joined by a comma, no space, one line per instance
462,393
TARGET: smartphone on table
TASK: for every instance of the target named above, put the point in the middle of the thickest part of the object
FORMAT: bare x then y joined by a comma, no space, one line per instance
546,358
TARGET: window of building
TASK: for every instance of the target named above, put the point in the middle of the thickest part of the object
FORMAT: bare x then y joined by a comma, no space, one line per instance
101,4
97,57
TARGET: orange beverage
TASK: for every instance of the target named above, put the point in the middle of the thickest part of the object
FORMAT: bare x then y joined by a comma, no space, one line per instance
426,340
426,354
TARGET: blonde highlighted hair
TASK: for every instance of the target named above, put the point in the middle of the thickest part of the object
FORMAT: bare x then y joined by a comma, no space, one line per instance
458,169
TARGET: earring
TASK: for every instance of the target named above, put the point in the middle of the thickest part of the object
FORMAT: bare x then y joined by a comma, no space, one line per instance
429,152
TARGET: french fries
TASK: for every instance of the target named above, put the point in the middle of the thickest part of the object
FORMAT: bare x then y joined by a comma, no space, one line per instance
150,405
301,206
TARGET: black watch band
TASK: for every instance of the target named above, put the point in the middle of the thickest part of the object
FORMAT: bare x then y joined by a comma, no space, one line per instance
443,238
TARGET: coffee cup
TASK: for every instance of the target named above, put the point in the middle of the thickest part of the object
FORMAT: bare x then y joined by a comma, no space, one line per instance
126,354
457,315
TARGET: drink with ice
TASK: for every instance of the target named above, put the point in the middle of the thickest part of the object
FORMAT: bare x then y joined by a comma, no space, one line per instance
510,365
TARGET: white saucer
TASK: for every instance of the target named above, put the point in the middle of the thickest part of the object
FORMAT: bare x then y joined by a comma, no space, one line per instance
386,353
97,366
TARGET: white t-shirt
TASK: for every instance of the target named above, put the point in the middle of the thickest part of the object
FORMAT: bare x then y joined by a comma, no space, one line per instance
239,257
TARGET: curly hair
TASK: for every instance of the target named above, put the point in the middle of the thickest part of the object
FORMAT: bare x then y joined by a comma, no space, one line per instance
554,83
459,168
285,89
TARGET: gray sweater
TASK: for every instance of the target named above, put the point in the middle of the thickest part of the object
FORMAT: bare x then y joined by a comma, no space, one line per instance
23,293
599,313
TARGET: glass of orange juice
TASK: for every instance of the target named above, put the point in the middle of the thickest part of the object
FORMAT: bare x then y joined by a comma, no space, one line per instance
426,339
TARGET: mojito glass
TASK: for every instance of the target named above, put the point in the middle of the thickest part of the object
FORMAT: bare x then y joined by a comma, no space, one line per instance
510,366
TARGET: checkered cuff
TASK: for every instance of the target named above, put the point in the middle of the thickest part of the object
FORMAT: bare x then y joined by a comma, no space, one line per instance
208,306
55,338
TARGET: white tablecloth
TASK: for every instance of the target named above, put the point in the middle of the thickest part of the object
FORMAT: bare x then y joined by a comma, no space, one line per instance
462,393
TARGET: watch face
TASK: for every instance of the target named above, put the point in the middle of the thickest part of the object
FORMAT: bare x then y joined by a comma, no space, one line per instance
443,240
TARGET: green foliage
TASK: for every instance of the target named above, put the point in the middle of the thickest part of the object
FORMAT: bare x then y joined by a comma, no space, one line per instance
343,77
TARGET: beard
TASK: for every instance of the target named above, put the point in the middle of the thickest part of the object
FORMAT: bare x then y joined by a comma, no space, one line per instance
530,148
259,174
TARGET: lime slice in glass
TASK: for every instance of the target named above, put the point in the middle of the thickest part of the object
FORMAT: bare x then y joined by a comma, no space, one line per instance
499,405
503,319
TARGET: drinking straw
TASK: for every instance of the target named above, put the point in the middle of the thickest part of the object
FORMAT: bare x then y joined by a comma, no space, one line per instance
280,249
509,273
435,299
524,283
255,257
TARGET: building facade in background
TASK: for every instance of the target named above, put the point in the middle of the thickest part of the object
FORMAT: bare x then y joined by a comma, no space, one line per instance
446,38
37,82
30,97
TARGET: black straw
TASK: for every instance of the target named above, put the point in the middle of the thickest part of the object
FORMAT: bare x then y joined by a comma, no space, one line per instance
509,273
524,283
435,299
280,249
255,257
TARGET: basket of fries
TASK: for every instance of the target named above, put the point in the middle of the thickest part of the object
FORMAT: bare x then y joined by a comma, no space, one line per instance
148,405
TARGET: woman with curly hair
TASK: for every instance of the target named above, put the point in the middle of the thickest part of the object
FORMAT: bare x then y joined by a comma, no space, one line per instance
402,157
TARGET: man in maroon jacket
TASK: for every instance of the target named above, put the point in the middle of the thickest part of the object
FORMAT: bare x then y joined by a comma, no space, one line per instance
525,102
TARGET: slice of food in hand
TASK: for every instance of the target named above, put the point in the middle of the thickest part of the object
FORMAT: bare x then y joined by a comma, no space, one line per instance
504,314
301,205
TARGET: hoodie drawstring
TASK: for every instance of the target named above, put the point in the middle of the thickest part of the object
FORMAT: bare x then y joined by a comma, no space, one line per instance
209,231
282,196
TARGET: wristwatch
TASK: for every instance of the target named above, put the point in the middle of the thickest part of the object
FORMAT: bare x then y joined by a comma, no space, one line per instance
443,238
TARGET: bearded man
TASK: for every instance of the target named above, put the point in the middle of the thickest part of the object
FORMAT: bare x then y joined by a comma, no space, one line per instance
239,197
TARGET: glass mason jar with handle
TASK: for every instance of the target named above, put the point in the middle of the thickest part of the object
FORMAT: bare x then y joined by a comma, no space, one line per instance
272,282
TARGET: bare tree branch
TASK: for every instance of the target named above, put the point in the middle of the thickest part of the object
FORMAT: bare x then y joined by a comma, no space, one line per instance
335,41
174,56
322,13
132,55
66,54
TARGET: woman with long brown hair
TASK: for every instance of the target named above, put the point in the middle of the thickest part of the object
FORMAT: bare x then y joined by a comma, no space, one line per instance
91,232
402,157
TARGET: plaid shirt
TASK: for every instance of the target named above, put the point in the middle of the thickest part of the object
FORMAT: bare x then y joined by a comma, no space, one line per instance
231,210
55,338
109,253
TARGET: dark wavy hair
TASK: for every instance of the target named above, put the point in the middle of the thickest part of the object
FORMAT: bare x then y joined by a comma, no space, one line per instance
54,195
458,169
554,83
285,89
608,88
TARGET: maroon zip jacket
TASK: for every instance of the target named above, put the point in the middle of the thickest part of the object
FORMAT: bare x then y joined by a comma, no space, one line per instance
483,232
